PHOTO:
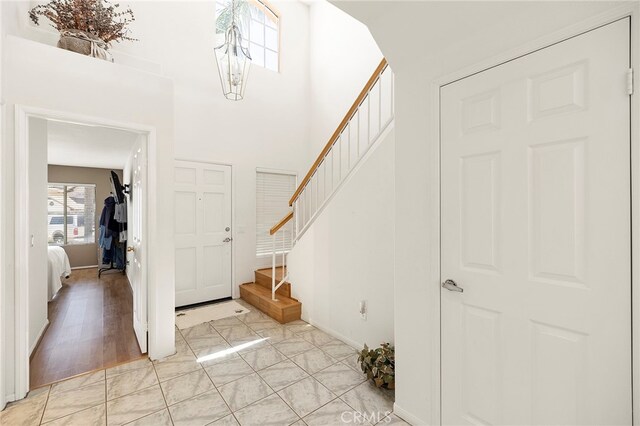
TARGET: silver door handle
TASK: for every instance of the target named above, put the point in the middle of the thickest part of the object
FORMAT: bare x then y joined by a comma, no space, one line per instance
226,240
452,286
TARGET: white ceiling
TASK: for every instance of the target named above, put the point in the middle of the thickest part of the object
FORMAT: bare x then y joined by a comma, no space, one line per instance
443,36
80,145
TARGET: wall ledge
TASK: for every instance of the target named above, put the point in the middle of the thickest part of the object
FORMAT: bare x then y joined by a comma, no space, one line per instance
122,60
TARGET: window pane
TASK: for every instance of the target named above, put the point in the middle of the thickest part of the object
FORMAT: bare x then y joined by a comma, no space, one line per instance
259,28
271,60
257,14
81,213
55,214
257,32
257,54
271,39
271,21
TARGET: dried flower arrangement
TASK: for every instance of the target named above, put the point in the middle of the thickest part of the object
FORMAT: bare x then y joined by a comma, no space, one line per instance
97,18
379,365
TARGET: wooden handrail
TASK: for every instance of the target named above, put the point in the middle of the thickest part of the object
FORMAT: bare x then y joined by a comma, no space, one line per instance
363,93
280,224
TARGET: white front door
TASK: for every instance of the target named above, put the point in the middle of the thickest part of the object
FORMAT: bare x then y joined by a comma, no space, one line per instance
203,232
137,240
536,229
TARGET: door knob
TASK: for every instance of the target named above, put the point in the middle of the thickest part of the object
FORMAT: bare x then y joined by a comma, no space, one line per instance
452,286
130,249
226,240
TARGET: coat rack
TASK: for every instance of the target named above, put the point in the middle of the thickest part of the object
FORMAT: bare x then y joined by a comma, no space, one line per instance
118,193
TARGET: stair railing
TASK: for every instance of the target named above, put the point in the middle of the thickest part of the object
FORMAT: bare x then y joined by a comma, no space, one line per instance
280,229
367,122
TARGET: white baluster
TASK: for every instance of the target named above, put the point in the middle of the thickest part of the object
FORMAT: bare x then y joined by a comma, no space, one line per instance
273,268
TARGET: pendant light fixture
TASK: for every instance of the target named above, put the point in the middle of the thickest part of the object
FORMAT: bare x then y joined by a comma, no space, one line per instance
233,60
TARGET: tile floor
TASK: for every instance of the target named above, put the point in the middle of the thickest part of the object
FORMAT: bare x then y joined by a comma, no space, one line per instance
247,370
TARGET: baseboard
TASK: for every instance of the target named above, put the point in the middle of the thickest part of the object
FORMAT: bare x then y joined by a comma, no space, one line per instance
407,417
84,267
40,336
350,342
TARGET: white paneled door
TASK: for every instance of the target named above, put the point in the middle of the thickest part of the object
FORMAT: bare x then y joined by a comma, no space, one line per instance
203,232
137,241
536,236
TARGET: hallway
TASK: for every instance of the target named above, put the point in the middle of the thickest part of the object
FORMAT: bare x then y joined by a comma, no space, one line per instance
90,328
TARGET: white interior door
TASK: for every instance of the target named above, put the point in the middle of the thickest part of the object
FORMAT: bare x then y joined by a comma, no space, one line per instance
203,232
137,240
536,231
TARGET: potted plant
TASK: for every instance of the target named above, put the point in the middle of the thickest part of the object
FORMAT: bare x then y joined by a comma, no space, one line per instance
379,365
86,26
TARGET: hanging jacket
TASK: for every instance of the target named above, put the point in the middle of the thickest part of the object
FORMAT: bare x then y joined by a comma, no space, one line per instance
107,217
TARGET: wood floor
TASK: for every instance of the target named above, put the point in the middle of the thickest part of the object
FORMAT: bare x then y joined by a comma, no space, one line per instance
90,327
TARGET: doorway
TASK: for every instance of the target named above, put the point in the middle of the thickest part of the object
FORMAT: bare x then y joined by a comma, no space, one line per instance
87,173
536,237
203,232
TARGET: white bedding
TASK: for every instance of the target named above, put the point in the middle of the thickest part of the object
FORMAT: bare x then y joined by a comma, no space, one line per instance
58,267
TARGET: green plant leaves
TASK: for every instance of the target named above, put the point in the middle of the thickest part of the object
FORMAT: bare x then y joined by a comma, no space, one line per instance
379,365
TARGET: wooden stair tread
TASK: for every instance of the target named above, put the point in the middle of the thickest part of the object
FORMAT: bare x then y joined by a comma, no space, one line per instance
263,278
267,272
283,310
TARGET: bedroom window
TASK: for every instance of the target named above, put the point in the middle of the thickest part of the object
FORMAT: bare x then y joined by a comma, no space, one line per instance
71,214
260,29
273,190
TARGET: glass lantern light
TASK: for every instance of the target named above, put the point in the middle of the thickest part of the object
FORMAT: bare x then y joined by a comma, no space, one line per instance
234,61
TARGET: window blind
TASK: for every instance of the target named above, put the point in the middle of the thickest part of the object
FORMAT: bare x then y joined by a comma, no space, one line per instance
273,191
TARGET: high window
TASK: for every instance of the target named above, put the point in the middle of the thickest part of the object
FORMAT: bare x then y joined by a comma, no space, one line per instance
260,28
273,191
71,214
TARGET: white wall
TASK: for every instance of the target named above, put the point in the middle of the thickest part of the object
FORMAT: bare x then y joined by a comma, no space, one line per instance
424,41
268,129
331,265
347,255
168,80
38,258
343,55
38,75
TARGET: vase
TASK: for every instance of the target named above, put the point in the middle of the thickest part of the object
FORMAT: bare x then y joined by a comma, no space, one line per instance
84,43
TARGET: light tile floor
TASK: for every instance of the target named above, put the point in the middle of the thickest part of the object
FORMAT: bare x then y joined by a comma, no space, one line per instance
247,370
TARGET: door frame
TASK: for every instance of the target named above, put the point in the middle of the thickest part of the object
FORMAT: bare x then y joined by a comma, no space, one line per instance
21,139
433,210
235,290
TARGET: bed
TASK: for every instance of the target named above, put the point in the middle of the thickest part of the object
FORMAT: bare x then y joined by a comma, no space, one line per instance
59,268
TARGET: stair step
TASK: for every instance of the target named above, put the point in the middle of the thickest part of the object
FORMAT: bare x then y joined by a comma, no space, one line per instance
263,278
283,310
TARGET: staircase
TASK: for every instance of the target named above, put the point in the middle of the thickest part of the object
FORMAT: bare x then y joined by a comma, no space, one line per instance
284,309
365,124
